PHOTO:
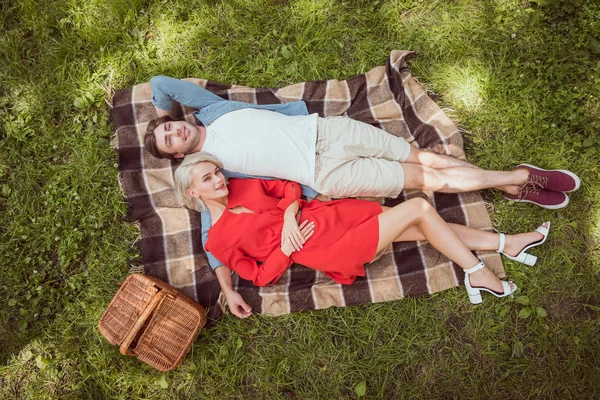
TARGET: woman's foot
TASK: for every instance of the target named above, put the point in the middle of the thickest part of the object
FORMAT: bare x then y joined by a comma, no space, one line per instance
485,278
515,243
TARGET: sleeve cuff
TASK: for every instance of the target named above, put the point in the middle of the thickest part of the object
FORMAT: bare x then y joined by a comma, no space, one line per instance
212,261
285,203
279,256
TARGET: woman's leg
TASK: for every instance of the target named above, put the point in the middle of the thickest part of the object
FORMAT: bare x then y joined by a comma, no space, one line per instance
419,213
476,239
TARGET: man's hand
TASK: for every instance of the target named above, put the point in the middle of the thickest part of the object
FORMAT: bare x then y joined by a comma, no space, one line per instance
306,231
237,305
322,197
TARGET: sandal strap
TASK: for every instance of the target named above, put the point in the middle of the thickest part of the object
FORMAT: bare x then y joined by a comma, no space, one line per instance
506,287
502,242
475,268
543,230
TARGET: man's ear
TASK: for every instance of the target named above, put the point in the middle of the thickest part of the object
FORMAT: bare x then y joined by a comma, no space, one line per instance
192,193
179,155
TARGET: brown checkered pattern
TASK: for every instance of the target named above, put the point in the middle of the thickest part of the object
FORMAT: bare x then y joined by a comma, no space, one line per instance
386,97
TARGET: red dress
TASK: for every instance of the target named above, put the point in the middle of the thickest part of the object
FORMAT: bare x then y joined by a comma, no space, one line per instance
344,240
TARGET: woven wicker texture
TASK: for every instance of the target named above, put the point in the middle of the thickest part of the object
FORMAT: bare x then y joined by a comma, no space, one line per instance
152,320
173,327
126,307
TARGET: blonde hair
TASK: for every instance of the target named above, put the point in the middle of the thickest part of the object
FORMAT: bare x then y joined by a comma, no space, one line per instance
183,179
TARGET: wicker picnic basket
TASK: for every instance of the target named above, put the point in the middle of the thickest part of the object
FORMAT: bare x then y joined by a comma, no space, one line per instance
153,321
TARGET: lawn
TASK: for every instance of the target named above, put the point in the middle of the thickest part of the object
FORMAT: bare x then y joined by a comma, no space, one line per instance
521,78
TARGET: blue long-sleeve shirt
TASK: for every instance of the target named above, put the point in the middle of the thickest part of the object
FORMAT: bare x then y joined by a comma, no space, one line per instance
210,107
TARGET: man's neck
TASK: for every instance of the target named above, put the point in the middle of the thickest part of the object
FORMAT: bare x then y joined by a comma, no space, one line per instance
202,135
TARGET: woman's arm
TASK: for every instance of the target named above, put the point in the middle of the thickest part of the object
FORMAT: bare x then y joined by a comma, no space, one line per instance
306,191
268,272
265,274
287,191
290,232
235,301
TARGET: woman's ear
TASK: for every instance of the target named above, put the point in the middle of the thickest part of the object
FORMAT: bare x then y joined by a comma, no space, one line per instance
192,193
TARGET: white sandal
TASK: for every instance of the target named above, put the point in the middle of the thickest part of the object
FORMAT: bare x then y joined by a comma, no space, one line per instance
523,256
475,292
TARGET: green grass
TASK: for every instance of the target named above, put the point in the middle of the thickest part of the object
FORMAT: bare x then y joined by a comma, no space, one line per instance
522,79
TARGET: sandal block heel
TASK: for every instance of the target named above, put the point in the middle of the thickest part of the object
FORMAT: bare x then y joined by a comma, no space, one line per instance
524,258
474,293
475,296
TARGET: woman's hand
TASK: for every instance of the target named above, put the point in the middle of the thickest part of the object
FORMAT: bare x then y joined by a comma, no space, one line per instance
237,305
290,231
306,230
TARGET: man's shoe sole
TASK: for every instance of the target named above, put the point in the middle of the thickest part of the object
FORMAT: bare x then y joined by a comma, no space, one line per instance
549,207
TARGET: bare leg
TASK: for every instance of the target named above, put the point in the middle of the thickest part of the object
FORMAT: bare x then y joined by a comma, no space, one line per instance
426,170
461,179
476,239
435,160
419,213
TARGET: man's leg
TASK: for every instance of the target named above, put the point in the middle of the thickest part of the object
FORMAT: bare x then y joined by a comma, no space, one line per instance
461,179
423,170
519,185
435,160
441,162
359,177
347,139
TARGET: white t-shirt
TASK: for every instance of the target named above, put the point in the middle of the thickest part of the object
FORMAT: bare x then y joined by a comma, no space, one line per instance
267,143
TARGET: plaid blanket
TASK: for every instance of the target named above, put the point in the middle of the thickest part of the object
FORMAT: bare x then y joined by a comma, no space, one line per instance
386,97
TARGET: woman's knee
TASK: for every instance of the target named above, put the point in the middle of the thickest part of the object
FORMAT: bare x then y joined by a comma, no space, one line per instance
420,207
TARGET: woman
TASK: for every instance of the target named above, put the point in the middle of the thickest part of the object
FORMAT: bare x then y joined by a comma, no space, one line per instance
257,221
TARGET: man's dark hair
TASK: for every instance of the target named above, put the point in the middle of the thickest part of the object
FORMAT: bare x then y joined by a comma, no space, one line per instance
150,137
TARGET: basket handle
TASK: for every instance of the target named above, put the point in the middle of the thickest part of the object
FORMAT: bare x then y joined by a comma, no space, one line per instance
152,304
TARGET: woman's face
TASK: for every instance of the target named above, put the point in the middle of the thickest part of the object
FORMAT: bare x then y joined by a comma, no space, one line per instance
208,182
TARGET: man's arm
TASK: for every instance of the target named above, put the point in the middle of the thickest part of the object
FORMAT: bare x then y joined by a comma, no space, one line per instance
166,89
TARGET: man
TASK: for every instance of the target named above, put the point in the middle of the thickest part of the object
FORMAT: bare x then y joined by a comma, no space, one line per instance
336,156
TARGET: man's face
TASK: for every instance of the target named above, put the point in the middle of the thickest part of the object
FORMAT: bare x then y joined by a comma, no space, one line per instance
177,138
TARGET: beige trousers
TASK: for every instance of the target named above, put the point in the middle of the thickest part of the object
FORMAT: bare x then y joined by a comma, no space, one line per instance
355,159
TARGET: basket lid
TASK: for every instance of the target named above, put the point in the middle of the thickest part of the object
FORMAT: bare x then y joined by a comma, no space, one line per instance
126,308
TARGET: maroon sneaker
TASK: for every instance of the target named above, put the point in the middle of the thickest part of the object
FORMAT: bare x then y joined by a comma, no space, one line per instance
558,180
529,193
